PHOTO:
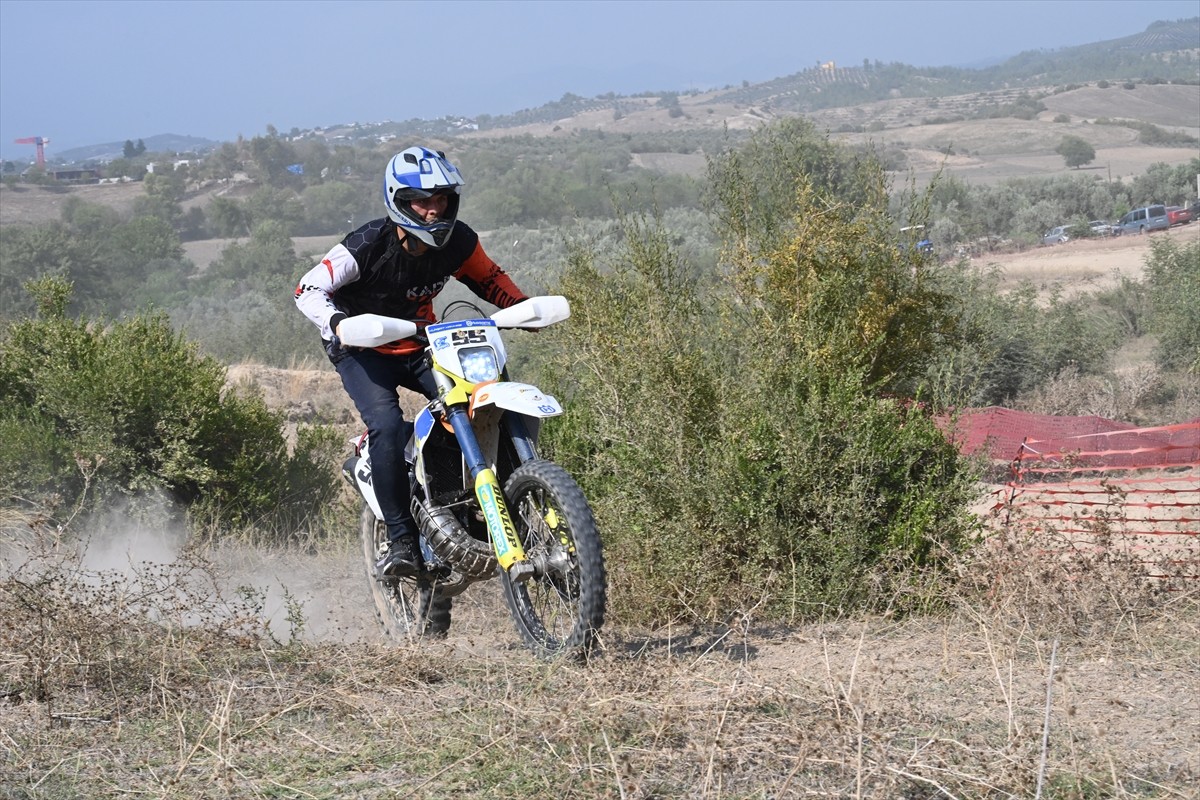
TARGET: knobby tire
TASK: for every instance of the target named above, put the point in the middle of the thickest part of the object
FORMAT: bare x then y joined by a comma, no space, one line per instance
559,613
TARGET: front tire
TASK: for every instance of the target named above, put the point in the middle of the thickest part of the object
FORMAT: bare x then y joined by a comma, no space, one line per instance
408,608
558,612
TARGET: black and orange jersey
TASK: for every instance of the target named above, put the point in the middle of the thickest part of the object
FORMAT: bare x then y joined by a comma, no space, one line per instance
370,272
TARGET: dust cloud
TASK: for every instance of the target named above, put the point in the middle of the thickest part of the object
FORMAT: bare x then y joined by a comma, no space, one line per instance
313,597
142,551
307,596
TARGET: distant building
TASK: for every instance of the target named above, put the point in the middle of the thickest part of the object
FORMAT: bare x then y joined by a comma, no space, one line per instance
74,175
183,162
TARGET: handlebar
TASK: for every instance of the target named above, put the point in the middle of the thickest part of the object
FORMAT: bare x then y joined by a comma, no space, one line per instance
373,330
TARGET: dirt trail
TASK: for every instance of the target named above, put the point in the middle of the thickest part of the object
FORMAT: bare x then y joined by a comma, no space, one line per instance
1084,265
950,682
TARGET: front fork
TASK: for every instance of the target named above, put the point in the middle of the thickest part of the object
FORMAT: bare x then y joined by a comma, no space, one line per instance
503,533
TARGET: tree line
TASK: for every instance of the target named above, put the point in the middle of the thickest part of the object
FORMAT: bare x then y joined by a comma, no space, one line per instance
526,194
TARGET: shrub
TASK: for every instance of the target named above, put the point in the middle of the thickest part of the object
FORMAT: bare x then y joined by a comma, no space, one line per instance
736,445
1011,341
101,411
1173,275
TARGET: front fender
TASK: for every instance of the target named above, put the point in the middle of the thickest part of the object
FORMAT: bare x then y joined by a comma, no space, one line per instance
522,398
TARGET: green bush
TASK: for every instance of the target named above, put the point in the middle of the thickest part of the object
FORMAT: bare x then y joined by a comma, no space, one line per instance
94,412
1173,275
734,440
1163,183
110,261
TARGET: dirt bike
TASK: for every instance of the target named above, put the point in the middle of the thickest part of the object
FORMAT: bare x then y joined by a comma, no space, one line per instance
487,505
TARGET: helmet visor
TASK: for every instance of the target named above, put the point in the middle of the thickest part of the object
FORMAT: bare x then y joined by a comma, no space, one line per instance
404,194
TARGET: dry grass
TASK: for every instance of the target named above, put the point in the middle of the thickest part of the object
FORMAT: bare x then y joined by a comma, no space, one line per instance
168,680
1170,105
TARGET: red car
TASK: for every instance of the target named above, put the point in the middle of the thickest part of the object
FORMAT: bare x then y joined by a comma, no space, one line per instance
1178,215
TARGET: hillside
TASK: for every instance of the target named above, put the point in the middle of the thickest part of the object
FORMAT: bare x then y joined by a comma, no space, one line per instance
927,133
922,130
160,143
1164,53
1161,61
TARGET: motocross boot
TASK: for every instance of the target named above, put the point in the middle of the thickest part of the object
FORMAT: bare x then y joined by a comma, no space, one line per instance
403,558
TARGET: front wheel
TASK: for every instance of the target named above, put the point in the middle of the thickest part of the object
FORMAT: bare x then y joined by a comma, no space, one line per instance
408,608
558,612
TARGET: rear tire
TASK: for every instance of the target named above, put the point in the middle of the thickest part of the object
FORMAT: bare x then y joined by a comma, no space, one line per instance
560,612
408,608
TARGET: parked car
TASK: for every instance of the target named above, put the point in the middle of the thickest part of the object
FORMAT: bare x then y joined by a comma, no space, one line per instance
1100,228
1178,215
1144,220
1056,235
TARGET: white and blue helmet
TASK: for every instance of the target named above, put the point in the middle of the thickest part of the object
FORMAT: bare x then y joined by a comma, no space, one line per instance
419,172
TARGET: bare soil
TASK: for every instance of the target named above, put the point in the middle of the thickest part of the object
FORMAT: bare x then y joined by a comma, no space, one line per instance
28,204
22,204
1085,265
988,701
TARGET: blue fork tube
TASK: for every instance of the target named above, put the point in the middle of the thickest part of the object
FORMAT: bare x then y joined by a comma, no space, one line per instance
518,434
500,526
465,434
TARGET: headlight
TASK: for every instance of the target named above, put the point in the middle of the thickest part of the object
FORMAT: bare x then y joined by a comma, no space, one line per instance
478,364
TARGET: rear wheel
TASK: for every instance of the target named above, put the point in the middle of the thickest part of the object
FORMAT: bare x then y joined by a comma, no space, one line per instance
408,608
558,612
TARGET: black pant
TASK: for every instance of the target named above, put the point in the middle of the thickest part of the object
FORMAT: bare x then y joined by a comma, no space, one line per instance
371,378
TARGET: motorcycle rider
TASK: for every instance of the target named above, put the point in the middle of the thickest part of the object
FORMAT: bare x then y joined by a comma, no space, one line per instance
395,266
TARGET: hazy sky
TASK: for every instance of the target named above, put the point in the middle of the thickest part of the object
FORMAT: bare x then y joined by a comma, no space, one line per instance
83,73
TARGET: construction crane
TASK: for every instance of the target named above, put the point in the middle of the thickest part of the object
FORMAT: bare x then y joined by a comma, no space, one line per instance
41,147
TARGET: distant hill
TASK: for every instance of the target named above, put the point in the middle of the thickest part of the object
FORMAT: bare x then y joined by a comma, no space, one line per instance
1165,52
162,143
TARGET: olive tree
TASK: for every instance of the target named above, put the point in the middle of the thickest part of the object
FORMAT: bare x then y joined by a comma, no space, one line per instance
1173,273
1075,151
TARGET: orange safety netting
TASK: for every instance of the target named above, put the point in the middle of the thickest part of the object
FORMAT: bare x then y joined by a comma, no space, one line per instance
1087,480
1000,432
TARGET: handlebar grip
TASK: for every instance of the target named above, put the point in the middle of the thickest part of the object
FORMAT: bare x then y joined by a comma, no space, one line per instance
372,330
